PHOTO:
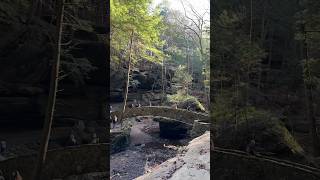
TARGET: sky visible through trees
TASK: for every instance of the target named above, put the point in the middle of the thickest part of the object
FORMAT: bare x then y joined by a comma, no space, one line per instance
199,5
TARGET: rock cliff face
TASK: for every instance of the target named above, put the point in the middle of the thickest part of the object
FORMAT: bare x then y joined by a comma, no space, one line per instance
146,76
25,64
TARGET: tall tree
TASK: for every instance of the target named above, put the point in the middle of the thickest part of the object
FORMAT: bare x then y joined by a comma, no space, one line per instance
52,95
197,24
237,55
309,34
135,32
182,44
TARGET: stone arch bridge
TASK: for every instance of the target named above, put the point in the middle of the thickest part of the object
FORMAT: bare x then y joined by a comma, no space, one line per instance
180,115
174,123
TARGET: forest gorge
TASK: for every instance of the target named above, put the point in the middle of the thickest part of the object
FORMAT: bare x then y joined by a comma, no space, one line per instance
159,57
162,55
250,75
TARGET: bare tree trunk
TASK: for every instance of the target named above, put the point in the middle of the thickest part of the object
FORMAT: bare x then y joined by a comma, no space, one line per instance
263,21
262,39
165,80
128,78
248,67
236,102
187,56
221,75
270,55
309,100
52,96
163,83
192,64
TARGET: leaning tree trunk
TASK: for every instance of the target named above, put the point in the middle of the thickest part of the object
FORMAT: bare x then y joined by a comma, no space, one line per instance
250,39
52,96
248,68
128,78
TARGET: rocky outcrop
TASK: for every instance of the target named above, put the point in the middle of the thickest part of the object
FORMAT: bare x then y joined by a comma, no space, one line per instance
193,164
149,76
145,76
117,82
119,140
191,105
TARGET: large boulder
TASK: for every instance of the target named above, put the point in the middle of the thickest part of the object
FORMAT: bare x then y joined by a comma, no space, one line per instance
117,82
192,105
146,80
185,101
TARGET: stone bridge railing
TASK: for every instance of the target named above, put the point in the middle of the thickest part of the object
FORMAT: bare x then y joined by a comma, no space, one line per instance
233,164
181,115
62,162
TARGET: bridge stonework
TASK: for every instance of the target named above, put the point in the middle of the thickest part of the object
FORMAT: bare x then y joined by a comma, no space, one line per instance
182,115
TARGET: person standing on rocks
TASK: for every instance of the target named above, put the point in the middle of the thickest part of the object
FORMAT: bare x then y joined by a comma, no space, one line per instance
251,147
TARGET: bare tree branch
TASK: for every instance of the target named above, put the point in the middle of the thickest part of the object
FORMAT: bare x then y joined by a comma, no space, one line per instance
185,14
